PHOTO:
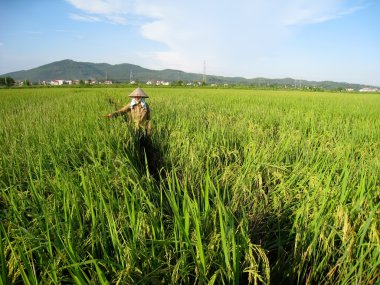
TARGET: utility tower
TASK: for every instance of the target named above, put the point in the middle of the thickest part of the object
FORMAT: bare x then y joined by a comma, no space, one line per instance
130,76
204,72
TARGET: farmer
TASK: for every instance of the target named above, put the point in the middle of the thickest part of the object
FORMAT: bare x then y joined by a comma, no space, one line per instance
138,110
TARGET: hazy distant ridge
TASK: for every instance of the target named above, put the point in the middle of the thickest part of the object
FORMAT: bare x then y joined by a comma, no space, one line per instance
72,70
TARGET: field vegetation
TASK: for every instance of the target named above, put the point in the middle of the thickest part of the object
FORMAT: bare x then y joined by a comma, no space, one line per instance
238,186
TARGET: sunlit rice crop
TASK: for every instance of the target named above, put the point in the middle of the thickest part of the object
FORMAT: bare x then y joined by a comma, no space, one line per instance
239,186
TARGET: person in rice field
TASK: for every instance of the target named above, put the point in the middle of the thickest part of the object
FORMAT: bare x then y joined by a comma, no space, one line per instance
138,111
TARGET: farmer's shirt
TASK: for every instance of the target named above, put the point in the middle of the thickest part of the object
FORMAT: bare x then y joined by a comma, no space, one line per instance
139,113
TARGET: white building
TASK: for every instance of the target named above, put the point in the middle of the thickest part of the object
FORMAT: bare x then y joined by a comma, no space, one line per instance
367,89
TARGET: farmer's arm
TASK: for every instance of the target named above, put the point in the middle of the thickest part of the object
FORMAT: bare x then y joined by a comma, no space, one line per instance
121,111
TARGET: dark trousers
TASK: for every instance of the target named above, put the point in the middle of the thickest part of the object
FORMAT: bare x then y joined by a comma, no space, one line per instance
149,152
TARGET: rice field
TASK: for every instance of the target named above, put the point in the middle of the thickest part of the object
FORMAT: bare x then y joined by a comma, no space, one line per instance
238,187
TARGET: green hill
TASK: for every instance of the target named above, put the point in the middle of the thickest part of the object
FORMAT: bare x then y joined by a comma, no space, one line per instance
71,70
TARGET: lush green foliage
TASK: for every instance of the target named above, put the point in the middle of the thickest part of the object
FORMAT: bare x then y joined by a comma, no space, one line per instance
246,186
7,81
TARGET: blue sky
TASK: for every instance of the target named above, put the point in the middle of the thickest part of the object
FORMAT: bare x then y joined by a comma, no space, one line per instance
336,40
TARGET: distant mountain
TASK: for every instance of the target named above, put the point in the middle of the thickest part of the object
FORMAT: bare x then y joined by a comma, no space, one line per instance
71,70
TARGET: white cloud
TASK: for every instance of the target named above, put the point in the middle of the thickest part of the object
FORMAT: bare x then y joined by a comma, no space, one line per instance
224,33
215,32
84,18
303,12
101,7
117,19
113,11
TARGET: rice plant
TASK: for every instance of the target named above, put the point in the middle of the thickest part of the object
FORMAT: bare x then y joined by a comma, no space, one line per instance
238,186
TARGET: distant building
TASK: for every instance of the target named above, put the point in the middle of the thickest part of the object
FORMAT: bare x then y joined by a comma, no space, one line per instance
368,89
57,82
90,81
161,82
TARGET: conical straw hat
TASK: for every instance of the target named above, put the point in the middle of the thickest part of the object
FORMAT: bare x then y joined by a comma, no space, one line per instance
138,92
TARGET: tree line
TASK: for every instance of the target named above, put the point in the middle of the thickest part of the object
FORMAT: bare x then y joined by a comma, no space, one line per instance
7,81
